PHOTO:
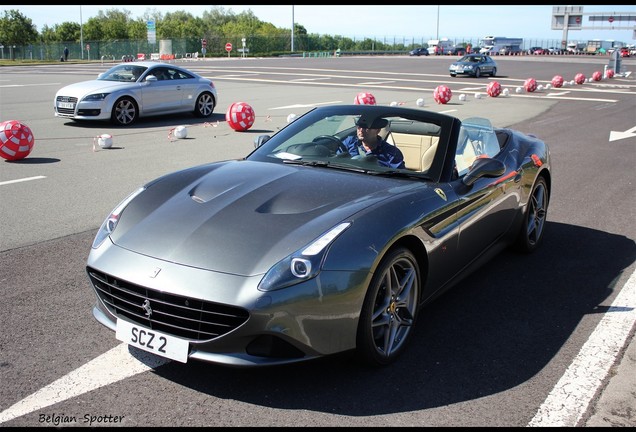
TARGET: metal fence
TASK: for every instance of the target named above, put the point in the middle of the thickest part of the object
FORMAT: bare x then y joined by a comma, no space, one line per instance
215,47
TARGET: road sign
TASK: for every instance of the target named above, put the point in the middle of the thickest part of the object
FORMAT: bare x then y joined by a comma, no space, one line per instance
228,47
88,47
611,19
204,43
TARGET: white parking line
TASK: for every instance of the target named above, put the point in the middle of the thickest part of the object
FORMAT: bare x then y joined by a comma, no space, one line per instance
570,398
96,373
22,180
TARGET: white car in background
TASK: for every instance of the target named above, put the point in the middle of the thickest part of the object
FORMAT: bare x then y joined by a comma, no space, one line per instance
128,91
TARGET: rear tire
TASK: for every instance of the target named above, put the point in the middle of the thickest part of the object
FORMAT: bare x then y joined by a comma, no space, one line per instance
389,311
531,232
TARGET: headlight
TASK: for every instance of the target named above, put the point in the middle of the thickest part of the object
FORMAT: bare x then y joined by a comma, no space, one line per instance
302,265
469,67
112,220
96,97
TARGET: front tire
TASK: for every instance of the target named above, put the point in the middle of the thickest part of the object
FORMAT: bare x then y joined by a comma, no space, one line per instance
494,72
477,73
389,311
531,233
204,106
125,112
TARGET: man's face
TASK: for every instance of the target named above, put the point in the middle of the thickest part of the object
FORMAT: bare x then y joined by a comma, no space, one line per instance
365,133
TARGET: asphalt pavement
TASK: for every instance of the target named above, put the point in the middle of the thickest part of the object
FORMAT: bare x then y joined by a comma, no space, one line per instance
615,406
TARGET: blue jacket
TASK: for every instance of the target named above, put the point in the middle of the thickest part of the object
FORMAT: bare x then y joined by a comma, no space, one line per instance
387,154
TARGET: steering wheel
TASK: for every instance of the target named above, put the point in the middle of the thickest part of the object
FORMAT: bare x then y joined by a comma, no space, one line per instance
339,144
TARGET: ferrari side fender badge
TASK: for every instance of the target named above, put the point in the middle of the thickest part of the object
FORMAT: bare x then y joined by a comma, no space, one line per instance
441,194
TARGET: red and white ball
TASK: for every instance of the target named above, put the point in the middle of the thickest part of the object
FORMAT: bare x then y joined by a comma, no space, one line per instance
16,140
610,73
493,89
557,81
442,94
530,85
596,76
240,116
579,78
364,98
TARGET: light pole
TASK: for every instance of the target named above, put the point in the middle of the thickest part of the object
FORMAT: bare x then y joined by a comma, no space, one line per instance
437,37
81,34
292,33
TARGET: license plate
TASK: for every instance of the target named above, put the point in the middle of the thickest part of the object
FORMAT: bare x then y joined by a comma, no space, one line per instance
67,105
159,343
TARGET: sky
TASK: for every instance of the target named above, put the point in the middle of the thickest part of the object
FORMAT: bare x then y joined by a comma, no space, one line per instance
380,22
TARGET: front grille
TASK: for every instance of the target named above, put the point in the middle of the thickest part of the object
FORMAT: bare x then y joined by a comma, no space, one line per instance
177,315
73,100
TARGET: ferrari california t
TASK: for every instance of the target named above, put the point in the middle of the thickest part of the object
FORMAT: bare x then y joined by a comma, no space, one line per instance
128,91
300,250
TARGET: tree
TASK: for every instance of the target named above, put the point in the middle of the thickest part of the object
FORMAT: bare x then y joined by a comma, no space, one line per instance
16,29
68,32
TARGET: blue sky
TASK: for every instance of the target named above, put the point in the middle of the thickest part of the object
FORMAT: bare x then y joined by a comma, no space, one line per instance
382,22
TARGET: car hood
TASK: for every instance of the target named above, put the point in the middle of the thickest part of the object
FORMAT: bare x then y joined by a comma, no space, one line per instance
241,217
93,86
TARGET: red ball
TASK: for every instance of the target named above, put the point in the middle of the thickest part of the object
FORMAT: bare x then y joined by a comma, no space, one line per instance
610,73
240,116
364,99
493,89
579,78
442,94
557,81
596,76
16,140
530,85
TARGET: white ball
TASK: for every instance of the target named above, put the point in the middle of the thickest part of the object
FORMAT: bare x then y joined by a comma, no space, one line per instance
105,141
572,82
180,132
505,92
540,87
394,103
291,118
519,90
419,102
548,86
462,97
477,95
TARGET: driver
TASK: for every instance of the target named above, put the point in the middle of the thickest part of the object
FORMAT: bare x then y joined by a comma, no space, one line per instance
368,142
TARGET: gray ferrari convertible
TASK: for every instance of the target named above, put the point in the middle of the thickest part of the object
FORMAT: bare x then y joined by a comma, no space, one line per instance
303,249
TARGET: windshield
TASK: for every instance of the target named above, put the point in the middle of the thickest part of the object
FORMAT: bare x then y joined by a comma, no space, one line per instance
123,73
406,145
477,138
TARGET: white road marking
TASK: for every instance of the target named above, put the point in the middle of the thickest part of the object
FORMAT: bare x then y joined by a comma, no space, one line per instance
22,180
305,105
570,398
112,366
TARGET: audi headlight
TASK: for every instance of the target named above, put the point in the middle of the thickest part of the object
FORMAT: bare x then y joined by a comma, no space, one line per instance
109,225
96,97
303,264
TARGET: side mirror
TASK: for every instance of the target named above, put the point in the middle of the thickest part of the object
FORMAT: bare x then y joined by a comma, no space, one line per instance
151,78
484,167
260,140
